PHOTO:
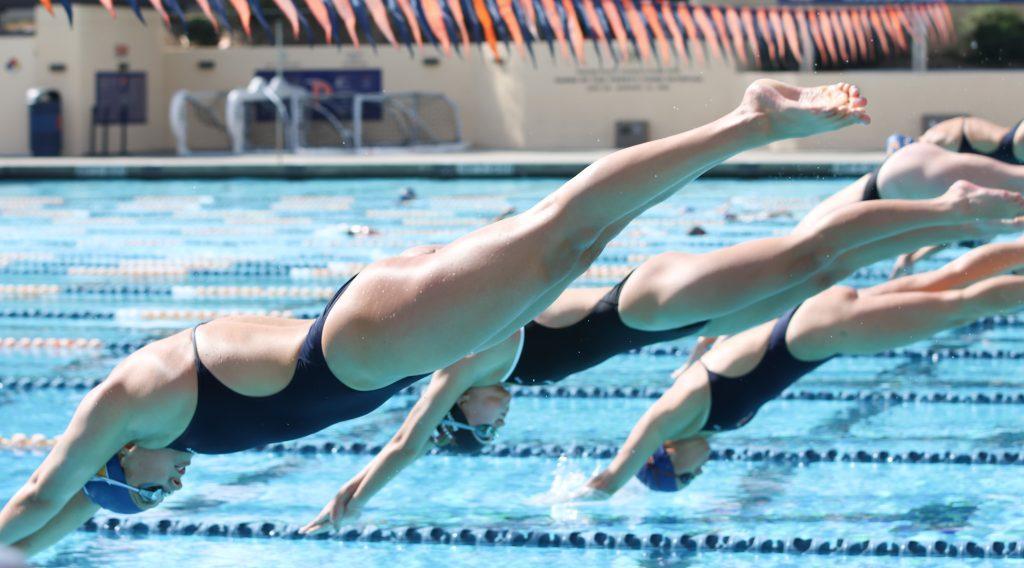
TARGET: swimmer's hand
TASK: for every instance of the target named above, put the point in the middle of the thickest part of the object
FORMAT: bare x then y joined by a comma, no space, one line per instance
588,493
338,510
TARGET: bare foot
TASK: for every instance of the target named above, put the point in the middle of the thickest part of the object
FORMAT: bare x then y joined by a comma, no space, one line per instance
975,202
802,111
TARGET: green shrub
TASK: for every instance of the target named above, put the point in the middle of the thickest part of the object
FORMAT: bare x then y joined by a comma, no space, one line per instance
201,32
994,37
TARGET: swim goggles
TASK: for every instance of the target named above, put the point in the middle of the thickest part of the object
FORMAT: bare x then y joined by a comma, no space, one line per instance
150,494
484,433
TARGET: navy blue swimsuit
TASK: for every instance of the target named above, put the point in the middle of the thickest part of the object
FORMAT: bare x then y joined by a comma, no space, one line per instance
551,354
1003,152
734,401
226,421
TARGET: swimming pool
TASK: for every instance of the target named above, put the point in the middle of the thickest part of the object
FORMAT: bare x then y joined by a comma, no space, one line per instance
120,263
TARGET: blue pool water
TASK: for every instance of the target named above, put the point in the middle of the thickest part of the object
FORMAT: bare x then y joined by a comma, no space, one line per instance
125,262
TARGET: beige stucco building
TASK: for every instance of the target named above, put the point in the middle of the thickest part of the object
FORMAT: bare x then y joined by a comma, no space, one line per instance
553,105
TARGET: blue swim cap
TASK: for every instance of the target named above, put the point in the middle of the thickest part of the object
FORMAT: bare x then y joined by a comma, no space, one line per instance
658,473
112,497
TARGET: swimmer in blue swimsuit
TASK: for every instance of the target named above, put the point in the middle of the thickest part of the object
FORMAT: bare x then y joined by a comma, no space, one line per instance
238,382
923,171
671,295
970,135
668,447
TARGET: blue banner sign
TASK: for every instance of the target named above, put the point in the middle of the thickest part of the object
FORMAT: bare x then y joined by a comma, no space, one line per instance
335,87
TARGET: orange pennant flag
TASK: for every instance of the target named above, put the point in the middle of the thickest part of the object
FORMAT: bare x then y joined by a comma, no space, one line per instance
555,21
319,11
434,16
531,17
636,25
673,30
792,35
47,5
762,22
691,33
880,32
611,12
708,31
822,25
859,33
732,19
204,5
508,16
159,7
594,23
109,5
896,28
379,14
460,22
244,15
851,33
837,32
348,17
651,15
488,25
723,34
780,36
286,7
747,17
573,27
410,18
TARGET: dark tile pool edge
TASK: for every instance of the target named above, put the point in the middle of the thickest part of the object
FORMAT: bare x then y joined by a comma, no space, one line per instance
404,170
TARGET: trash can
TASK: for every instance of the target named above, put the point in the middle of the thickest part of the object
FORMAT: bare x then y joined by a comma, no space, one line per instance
44,122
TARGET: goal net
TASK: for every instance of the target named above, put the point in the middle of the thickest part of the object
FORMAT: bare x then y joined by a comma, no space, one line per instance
381,121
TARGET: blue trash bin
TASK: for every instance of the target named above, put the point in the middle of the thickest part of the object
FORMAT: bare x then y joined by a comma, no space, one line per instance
44,122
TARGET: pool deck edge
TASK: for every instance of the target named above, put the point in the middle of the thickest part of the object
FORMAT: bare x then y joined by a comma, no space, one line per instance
454,165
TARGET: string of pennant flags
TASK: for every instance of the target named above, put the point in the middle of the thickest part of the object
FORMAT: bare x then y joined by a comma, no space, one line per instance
665,29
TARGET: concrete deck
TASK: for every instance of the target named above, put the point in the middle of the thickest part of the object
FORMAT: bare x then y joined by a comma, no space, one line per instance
459,164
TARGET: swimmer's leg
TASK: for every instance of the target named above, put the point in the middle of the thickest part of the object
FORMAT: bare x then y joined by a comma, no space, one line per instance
547,298
983,135
852,193
410,315
673,289
922,171
846,264
849,323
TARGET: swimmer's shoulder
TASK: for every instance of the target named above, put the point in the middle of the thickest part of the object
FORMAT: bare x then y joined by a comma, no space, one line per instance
156,384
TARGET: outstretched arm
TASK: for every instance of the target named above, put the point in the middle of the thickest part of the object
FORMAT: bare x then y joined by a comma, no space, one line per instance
414,436
973,266
678,414
700,347
78,510
904,264
97,431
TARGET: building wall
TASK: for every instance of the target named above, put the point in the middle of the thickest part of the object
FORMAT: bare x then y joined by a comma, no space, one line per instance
554,104
15,80
89,47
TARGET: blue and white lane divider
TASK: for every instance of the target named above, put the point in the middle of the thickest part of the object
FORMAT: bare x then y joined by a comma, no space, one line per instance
25,445
914,354
993,397
760,455
653,543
